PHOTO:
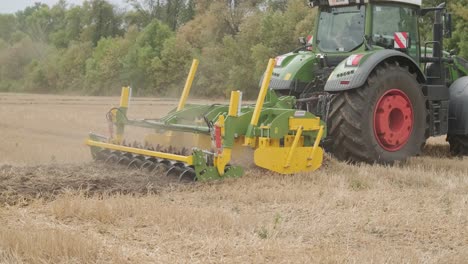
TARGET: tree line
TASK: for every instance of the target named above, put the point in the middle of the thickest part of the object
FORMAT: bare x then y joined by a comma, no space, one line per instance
96,47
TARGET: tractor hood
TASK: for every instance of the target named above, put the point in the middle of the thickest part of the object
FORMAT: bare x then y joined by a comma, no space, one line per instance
292,71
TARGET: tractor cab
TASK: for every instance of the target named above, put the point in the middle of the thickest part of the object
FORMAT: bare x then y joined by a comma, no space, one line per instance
341,29
348,26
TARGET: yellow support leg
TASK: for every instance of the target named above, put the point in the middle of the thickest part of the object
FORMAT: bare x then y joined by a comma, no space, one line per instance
316,146
250,141
222,160
188,85
293,147
263,92
125,96
124,99
235,103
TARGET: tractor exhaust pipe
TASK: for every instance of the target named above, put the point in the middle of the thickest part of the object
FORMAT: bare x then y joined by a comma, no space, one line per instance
438,38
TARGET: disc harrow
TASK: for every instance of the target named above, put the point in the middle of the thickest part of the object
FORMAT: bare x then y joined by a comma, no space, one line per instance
156,166
285,140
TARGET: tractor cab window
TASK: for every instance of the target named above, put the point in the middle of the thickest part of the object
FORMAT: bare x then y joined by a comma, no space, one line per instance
341,29
388,19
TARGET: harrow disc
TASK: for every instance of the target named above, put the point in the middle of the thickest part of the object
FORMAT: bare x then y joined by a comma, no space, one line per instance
135,163
101,155
175,169
149,164
161,167
112,158
188,175
124,160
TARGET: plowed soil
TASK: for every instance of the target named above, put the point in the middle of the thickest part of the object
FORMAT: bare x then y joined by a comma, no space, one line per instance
22,184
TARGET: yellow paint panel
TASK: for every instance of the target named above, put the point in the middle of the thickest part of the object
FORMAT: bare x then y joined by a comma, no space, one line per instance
273,158
287,77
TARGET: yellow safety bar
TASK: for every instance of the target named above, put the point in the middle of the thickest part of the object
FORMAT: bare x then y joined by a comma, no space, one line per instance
144,152
188,85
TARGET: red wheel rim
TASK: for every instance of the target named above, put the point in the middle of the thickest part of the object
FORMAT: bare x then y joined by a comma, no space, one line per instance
393,120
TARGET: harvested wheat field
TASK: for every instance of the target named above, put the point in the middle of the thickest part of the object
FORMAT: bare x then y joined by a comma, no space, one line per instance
57,206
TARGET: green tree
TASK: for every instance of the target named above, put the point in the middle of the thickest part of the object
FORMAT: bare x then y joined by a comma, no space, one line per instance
459,40
171,12
170,69
101,21
8,26
137,63
103,69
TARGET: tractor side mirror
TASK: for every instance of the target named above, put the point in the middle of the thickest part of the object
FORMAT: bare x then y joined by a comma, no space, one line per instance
302,41
447,25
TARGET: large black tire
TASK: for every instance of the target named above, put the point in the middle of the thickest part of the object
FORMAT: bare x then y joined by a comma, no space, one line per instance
351,119
458,145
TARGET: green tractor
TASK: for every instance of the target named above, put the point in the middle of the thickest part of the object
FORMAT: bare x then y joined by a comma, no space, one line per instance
380,90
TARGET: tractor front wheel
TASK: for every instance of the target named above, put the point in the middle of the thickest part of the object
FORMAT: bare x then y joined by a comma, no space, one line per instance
383,121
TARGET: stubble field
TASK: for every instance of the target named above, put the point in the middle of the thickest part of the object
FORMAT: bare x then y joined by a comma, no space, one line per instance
57,206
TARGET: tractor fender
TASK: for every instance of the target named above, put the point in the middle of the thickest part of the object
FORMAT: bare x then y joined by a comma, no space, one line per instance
458,107
347,76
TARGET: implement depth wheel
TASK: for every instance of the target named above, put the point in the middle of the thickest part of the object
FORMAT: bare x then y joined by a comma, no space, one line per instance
383,121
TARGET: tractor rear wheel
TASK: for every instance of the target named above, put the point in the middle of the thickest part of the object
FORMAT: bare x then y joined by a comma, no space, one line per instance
383,121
